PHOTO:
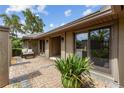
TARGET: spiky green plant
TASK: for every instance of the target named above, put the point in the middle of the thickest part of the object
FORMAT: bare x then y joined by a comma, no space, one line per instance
72,69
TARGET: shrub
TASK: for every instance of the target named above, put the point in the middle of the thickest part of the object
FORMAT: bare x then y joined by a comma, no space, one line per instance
73,69
16,51
16,43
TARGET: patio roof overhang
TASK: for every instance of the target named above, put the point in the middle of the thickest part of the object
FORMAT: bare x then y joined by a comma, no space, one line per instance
32,36
98,17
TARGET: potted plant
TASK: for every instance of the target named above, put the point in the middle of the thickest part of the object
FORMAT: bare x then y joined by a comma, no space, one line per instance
74,71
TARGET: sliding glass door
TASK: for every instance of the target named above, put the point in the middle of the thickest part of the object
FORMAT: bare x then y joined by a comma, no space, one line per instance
99,48
95,44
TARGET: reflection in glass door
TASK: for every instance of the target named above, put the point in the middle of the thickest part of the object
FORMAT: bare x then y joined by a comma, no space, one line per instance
99,46
81,44
95,44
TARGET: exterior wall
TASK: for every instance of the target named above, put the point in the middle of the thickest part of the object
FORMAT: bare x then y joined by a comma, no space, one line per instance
63,50
69,43
4,73
121,51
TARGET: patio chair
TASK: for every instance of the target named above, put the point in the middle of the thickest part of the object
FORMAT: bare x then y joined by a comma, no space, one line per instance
27,52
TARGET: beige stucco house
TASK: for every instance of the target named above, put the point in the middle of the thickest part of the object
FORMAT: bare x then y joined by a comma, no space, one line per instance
5,55
99,36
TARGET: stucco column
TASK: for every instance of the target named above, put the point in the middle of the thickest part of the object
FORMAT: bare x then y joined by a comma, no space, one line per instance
47,43
69,43
114,52
121,51
4,73
63,50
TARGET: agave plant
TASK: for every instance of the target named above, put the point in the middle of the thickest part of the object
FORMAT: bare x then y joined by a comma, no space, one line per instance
73,69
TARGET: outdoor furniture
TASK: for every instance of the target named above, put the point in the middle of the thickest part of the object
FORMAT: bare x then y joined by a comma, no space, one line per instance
27,52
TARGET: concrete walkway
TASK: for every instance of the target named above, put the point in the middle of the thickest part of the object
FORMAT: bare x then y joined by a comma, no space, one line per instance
38,72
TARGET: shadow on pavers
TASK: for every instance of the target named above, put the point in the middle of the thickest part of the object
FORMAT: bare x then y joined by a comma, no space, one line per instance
25,77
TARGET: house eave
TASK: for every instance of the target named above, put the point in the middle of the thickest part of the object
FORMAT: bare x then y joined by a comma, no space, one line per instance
77,22
82,21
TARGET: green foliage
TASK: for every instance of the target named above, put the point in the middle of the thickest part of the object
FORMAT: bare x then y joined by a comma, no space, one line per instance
16,51
12,21
16,42
32,22
72,69
6,19
16,46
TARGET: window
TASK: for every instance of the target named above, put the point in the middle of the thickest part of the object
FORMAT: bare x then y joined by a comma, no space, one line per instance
99,47
81,44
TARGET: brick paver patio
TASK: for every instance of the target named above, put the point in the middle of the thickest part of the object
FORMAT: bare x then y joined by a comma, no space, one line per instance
38,72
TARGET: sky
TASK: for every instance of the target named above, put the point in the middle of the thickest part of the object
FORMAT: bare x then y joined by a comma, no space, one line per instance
52,15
